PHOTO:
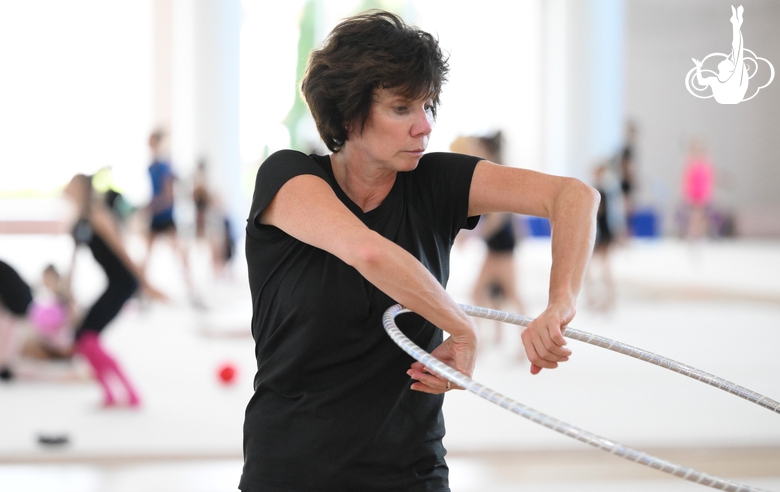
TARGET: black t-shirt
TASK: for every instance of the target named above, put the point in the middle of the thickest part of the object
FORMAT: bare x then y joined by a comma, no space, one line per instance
332,409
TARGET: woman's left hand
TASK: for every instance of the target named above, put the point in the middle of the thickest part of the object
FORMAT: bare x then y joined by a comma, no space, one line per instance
460,354
543,339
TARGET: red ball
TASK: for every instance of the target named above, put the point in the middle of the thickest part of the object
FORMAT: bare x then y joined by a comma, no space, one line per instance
227,373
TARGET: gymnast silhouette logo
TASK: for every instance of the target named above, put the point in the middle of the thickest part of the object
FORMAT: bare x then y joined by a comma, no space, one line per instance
735,70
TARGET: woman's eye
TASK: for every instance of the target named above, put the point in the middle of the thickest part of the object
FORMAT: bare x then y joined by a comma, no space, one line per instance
400,109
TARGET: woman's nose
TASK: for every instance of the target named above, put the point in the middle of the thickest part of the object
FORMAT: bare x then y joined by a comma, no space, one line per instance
423,123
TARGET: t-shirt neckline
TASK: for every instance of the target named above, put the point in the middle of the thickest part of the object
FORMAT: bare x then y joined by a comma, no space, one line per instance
387,204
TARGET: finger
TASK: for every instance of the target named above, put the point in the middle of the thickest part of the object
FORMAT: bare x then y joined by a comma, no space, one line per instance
556,336
554,343
542,349
427,378
434,382
427,388
543,363
550,330
536,359
539,355
421,368
535,369
418,366
556,351
434,388
423,388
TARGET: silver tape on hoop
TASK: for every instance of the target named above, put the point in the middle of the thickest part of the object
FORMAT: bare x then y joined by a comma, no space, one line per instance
540,418
635,352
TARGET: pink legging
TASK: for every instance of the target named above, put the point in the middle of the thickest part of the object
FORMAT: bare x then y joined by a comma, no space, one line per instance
105,366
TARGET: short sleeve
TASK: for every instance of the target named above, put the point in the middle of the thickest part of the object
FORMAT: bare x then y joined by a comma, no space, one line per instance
446,181
277,169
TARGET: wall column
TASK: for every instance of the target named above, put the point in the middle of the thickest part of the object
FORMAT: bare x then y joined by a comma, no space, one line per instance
582,75
217,29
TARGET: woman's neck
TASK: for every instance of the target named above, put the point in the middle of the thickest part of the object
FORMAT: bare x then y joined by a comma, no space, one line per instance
365,184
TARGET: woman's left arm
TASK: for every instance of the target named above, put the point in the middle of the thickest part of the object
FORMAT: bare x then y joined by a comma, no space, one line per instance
571,207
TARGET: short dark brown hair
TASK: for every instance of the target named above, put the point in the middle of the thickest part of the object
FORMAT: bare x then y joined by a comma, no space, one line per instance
375,49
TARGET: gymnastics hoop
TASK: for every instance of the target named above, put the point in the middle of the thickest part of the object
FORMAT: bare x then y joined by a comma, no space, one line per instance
636,353
453,375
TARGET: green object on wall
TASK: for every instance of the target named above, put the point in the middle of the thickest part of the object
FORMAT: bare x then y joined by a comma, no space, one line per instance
299,110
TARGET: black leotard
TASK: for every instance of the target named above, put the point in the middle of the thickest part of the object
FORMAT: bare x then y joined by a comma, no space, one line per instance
503,240
121,282
15,294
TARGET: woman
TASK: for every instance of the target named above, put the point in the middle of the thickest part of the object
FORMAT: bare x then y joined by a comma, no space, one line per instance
95,228
52,314
698,185
601,283
202,199
161,211
333,241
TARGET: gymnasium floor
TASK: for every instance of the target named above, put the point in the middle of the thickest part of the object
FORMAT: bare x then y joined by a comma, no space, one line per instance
715,306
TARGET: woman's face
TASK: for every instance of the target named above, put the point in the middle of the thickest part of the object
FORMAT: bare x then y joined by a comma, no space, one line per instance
396,133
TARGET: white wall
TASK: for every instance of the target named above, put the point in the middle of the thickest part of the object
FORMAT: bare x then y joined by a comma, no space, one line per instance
495,78
582,89
75,92
743,139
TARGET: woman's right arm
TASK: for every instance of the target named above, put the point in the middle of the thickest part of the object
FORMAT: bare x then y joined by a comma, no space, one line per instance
306,208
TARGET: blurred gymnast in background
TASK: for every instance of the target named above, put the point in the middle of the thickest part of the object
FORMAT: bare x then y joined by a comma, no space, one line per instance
33,325
698,184
212,224
16,298
94,227
161,212
600,282
496,286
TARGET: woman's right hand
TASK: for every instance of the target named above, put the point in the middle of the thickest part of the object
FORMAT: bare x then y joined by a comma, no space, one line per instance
458,351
